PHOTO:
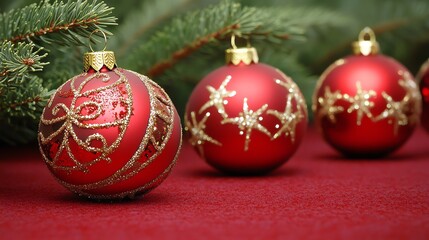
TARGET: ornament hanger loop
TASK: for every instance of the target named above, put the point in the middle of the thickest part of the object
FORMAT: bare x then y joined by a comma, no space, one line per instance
236,55
97,59
233,41
366,44
105,39
367,34
234,45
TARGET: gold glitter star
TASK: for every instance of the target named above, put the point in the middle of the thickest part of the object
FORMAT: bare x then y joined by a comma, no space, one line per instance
322,79
360,103
293,90
412,92
198,136
327,103
249,120
288,119
217,97
411,89
394,110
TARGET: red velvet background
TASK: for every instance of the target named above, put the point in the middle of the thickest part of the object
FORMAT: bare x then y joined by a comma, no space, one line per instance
316,195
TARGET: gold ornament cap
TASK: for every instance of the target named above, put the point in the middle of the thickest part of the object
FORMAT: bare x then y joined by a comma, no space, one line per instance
366,44
98,59
235,55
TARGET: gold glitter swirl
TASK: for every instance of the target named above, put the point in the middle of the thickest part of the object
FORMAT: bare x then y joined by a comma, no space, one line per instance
73,118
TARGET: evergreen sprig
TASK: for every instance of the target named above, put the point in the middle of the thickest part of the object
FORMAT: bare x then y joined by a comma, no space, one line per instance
27,35
22,94
70,20
23,101
140,23
20,109
18,61
183,36
189,33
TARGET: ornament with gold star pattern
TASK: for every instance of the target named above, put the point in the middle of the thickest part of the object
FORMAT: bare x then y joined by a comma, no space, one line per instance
246,117
366,104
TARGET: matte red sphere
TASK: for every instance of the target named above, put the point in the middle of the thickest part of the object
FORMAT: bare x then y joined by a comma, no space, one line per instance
110,134
424,88
366,105
246,119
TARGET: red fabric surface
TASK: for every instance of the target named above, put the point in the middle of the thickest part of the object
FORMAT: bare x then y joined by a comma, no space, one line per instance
316,195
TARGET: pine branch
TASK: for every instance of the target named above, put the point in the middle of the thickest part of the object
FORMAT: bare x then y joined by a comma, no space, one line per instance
23,101
69,21
18,61
20,108
23,93
187,34
160,67
180,34
139,23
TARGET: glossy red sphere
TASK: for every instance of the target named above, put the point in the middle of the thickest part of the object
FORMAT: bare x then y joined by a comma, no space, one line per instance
246,119
424,88
110,134
366,105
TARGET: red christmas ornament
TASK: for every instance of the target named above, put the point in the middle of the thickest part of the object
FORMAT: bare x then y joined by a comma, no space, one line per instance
423,78
366,104
109,132
246,117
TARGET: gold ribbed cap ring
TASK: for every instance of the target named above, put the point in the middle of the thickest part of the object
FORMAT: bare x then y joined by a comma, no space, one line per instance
246,55
98,59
